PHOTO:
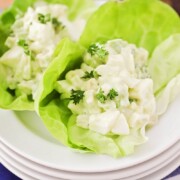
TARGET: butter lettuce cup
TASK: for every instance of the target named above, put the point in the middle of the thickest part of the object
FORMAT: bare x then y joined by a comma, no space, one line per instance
30,32
101,94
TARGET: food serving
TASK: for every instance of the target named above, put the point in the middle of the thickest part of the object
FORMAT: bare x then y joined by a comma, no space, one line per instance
35,29
103,92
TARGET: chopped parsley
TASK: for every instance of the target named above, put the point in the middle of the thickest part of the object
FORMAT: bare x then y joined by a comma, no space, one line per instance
112,94
131,100
97,49
57,24
47,18
101,97
91,74
44,18
22,43
76,96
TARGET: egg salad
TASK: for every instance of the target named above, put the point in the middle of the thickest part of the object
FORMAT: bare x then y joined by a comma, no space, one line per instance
112,92
32,42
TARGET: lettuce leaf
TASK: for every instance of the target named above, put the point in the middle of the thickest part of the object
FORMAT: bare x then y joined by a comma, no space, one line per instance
141,22
93,141
165,62
54,112
8,100
169,93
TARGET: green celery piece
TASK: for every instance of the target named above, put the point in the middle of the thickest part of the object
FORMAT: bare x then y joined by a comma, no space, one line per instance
145,23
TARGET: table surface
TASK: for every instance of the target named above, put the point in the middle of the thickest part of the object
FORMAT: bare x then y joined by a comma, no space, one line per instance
5,174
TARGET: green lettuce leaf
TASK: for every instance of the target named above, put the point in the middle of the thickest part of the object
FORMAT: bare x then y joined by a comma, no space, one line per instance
54,112
168,94
145,23
95,142
8,100
165,62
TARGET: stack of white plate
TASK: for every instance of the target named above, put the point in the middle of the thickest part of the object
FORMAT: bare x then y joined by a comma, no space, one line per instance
29,151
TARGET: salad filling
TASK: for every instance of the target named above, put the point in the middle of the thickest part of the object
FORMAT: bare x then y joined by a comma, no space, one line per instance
32,42
112,92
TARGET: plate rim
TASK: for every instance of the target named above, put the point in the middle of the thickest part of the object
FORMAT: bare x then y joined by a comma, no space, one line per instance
29,172
149,165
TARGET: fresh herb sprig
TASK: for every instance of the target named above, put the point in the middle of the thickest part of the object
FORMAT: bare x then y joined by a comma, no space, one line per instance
22,43
91,74
131,100
97,49
47,18
44,18
76,96
101,96
57,24
110,96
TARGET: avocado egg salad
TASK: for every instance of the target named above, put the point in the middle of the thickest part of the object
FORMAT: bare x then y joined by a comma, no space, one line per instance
30,44
103,93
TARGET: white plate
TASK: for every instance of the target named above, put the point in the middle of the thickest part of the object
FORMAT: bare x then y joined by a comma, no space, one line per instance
25,134
36,175
165,171
129,173
123,173
161,173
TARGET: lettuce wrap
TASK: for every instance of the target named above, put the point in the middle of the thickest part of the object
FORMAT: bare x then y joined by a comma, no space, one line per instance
152,25
18,69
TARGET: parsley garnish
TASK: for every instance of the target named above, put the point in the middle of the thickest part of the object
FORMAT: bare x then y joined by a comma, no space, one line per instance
22,43
112,94
57,24
91,74
131,100
25,46
47,18
44,18
98,49
101,97
76,96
